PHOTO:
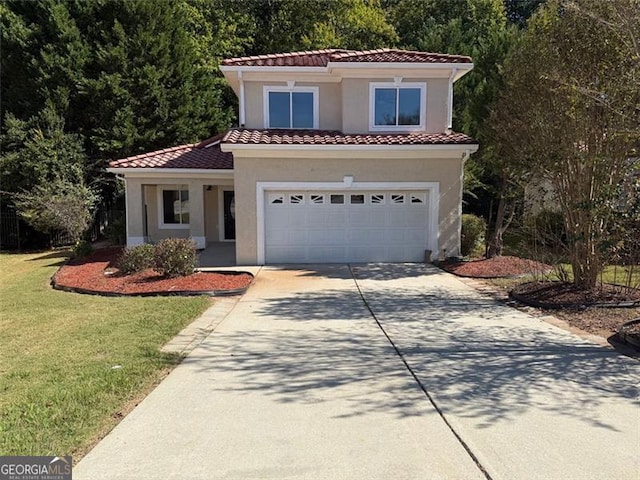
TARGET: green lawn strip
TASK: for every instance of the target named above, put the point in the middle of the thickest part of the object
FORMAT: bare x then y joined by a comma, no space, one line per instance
58,389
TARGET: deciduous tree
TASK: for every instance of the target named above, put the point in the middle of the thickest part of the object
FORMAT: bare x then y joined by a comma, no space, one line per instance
571,114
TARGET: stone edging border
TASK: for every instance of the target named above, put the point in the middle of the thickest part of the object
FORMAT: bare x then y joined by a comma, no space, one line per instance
177,293
571,306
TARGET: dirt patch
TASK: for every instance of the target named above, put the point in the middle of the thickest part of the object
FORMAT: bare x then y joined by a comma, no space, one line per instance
497,267
97,273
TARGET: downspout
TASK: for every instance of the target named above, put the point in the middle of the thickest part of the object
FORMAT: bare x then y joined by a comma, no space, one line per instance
454,71
241,100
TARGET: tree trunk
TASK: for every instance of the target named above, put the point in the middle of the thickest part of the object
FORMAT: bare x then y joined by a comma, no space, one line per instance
496,241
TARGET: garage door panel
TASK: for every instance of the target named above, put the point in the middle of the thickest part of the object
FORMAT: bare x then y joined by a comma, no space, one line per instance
308,232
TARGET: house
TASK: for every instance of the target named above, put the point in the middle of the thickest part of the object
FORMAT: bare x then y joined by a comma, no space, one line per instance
340,156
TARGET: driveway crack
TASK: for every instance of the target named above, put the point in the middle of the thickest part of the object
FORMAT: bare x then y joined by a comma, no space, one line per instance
422,386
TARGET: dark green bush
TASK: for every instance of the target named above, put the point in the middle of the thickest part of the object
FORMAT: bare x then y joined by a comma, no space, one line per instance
473,230
175,257
82,248
546,228
136,259
116,231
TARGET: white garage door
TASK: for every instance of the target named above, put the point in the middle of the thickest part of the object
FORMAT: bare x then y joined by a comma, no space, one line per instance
346,226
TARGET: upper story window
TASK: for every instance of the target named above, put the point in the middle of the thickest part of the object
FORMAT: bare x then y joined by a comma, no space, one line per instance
295,107
397,106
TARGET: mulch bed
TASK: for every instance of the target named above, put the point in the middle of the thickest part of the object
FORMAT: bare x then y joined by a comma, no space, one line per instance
497,267
563,295
97,273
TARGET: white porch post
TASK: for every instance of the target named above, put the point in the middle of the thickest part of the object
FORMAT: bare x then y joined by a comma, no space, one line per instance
134,212
196,214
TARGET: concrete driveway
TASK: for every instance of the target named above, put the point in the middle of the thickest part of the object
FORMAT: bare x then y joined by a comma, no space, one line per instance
402,373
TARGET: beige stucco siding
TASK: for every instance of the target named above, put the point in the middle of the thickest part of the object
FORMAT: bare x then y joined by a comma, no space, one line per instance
250,170
330,108
142,195
355,100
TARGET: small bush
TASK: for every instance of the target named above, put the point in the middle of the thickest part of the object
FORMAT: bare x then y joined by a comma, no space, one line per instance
136,259
546,228
175,257
82,248
116,231
473,230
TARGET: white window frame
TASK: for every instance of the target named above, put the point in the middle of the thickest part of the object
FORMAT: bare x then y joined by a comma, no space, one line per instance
171,226
397,128
265,101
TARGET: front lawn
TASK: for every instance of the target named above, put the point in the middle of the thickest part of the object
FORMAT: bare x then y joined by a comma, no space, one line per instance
71,364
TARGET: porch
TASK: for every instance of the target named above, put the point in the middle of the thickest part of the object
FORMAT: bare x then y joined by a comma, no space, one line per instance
218,254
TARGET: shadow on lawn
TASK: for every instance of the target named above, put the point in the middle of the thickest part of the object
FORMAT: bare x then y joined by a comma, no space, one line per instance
314,347
62,255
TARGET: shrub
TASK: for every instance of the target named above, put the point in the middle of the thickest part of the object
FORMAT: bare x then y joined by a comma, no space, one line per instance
136,259
116,231
473,230
546,228
82,248
175,257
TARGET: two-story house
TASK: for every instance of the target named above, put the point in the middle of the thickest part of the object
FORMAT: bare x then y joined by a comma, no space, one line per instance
341,156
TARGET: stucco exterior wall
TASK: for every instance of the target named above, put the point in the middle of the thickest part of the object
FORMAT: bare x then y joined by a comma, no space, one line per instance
355,101
142,195
250,170
330,106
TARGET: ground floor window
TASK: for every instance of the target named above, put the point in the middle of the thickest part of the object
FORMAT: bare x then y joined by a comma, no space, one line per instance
175,206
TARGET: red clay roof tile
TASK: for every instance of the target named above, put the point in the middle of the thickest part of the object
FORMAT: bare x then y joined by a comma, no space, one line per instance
320,58
332,137
196,156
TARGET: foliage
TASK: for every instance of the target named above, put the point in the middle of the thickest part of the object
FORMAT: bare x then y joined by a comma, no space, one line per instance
571,120
82,248
137,259
175,257
473,230
546,228
290,25
116,231
39,151
58,206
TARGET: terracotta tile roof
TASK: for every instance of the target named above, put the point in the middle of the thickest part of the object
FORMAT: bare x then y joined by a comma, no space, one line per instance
310,58
184,156
391,55
330,137
320,58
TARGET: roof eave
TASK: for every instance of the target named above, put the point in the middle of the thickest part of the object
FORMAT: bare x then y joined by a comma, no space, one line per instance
230,147
228,172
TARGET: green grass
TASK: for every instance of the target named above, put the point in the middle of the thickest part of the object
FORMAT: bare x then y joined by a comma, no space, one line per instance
58,390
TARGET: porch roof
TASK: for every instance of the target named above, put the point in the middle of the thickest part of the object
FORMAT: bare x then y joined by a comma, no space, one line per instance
203,155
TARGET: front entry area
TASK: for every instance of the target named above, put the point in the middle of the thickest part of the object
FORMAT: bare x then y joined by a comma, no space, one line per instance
342,226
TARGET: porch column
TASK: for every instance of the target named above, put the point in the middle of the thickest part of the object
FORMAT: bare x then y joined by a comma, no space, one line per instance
134,212
196,214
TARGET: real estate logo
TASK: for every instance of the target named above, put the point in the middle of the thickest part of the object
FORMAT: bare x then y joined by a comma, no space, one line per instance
35,468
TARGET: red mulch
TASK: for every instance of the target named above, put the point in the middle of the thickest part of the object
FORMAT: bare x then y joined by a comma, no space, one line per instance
496,267
88,273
